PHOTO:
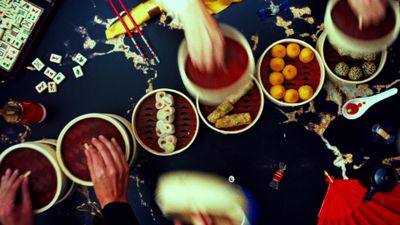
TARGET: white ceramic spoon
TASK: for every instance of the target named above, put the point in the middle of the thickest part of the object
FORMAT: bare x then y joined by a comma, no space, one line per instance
355,108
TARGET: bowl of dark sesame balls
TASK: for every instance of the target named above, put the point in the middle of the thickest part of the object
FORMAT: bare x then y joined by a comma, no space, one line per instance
349,68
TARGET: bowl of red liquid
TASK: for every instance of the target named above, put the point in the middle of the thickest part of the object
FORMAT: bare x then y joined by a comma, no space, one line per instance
212,88
78,133
47,183
344,31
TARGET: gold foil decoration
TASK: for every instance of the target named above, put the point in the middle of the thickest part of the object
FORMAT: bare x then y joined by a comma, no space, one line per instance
145,11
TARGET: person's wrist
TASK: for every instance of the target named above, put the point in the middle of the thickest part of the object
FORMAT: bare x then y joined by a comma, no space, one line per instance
106,201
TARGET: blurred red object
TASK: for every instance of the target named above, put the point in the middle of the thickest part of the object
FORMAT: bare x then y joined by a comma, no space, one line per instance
344,205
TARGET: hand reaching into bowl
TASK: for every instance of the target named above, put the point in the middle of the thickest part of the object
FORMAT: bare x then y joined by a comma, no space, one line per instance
370,11
205,41
109,170
10,213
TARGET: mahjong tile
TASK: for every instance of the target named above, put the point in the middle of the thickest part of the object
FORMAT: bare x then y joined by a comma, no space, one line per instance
78,71
13,51
1,33
21,12
2,12
8,39
42,86
26,6
10,58
14,32
5,23
80,59
52,87
6,65
2,54
60,77
27,24
49,72
3,5
35,11
23,35
38,64
4,46
55,58
17,20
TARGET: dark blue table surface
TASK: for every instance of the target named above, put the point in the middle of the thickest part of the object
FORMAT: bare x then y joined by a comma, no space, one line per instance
304,140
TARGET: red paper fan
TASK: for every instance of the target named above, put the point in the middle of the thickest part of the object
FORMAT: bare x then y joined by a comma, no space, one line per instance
344,205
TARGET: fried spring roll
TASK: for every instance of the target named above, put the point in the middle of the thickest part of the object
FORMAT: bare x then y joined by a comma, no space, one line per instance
238,95
221,110
233,120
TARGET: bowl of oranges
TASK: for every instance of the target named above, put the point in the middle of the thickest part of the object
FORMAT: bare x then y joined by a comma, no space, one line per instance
291,72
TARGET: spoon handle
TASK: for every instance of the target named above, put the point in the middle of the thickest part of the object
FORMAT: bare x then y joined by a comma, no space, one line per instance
386,94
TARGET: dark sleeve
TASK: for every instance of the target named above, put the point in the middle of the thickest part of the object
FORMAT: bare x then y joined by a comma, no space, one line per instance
118,213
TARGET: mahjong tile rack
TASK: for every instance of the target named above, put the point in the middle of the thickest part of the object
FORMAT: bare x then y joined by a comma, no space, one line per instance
21,23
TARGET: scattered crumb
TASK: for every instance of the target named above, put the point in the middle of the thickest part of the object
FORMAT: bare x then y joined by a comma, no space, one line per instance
31,68
280,22
255,38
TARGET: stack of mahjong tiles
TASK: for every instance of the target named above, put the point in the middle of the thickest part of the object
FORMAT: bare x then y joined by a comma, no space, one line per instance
164,128
17,20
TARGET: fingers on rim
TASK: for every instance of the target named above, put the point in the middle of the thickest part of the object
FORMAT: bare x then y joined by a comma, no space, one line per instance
26,197
103,151
97,159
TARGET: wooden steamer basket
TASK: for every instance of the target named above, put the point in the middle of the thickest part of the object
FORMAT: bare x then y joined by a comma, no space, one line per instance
312,73
252,102
80,131
216,96
333,56
134,152
362,44
144,119
70,185
46,180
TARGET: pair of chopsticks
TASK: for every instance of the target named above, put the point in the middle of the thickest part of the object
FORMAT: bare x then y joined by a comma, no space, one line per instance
129,32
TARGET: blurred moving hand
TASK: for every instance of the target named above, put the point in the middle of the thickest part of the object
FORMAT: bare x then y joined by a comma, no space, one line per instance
10,213
109,170
371,11
204,38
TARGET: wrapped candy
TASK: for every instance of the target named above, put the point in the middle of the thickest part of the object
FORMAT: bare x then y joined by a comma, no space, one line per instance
276,179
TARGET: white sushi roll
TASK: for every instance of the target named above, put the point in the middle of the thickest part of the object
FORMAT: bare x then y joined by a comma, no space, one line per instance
162,142
163,113
168,148
169,100
160,96
169,128
169,119
160,104
171,139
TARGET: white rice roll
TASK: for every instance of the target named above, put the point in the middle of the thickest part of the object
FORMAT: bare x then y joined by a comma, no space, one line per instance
169,100
160,96
168,148
164,112
171,139
162,142
160,104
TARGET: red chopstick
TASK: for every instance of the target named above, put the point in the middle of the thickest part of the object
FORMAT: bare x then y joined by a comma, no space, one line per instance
128,31
139,31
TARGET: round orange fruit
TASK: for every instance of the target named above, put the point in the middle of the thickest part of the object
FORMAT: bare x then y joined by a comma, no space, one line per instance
278,51
291,96
306,55
290,72
293,50
277,64
305,92
276,78
277,91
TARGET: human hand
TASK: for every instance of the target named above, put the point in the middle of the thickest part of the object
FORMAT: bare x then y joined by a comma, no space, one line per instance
108,170
370,11
206,219
10,213
205,41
